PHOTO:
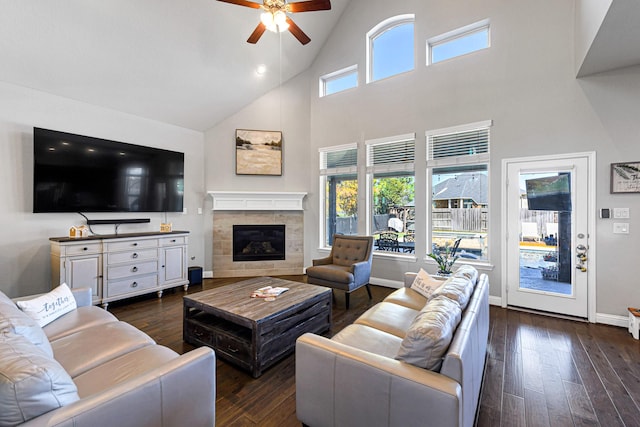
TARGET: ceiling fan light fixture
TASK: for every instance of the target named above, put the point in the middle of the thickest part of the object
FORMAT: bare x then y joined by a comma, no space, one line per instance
267,19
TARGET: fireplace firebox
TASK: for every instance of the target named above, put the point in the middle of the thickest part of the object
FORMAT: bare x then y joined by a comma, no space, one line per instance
258,242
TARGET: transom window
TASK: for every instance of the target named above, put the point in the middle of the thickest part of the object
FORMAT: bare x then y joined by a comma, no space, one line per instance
339,81
458,42
390,48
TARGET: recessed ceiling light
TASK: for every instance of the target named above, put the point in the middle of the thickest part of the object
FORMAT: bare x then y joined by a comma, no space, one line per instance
261,69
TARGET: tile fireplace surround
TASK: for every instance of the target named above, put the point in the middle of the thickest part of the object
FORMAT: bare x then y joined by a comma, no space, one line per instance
248,208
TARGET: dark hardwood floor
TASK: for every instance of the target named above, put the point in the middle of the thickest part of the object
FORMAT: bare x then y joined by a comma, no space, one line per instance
541,371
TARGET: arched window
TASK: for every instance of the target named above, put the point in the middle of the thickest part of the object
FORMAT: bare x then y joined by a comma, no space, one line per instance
390,48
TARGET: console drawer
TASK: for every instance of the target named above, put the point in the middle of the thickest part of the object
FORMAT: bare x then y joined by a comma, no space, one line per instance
120,287
172,241
82,249
133,269
133,244
132,256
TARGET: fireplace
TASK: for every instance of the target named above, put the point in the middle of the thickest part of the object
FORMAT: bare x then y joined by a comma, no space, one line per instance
258,242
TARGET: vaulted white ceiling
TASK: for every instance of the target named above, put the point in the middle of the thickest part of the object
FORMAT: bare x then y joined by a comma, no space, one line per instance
183,62
186,62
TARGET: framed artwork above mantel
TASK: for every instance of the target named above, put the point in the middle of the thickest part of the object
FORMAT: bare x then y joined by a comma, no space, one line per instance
625,177
258,152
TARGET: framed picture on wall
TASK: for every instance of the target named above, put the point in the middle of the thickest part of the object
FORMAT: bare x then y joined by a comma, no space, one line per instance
258,152
625,177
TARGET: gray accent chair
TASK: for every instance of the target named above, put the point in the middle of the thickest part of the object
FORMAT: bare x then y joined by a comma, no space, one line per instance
348,266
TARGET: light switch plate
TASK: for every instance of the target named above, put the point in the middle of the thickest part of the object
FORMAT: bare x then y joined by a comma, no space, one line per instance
621,213
620,228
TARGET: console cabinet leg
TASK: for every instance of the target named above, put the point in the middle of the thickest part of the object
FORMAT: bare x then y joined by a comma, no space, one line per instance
160,294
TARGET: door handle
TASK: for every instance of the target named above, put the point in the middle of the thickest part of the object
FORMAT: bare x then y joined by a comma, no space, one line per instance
581,254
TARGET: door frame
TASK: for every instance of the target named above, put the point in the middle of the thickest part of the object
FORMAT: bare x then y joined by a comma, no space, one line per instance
591,223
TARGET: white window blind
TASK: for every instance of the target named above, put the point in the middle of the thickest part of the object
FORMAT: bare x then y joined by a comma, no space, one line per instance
465,141
391,154
339,159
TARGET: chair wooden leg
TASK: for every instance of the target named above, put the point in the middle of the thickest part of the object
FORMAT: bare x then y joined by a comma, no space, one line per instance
346,298
369,291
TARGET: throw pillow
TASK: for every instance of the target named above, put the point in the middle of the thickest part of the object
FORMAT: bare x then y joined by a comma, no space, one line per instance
48,307
31,383
15,321
430,334
424,284
458,289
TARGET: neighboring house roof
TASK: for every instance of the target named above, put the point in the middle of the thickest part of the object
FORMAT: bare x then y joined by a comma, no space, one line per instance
465,186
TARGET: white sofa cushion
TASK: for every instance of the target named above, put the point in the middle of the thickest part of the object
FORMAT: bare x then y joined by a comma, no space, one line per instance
31,383
458,289
430,334
15,321
48,307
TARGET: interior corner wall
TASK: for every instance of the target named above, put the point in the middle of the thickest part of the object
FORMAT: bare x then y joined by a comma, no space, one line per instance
24,236
589,16
525,83
285,109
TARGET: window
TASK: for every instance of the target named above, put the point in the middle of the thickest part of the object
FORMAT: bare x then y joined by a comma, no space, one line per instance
457,166
459,42
339,190
339,81
390,48
391,180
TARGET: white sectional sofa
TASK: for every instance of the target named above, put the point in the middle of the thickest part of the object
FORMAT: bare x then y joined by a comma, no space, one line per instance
368,374
86,368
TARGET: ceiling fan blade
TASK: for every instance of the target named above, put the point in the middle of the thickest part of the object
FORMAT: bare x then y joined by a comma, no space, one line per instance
243,3
297,32
309,6
257,33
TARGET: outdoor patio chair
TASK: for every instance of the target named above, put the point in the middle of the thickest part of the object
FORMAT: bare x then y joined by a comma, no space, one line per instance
530,231
388,241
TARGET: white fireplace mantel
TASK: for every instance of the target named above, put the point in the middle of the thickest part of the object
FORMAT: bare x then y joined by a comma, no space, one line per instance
257,200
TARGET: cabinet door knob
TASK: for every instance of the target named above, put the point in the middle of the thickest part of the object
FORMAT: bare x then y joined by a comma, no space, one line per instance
134,269
173,241
134,285
135,255
85,248
135,244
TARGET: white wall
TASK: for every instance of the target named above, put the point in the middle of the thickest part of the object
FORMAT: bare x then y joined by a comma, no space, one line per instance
24,236
525,83
285,109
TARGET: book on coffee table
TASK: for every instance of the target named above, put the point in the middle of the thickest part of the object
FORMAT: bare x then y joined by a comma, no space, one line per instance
268,292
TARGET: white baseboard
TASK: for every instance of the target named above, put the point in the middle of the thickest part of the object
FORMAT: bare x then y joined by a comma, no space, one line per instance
495,301
207,274
386,283
612,319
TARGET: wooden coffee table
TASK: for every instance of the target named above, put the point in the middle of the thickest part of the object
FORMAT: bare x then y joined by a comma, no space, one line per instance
253,333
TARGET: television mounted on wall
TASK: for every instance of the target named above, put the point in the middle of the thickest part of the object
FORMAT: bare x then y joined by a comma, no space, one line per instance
75,173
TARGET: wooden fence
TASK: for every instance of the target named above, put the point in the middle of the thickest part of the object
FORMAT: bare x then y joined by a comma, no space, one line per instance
463,219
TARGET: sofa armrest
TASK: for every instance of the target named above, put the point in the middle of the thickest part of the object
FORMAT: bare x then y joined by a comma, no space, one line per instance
181,392
83,296
340,385
323,261
409,277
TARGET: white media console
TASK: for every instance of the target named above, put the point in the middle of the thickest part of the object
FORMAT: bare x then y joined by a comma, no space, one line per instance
121,266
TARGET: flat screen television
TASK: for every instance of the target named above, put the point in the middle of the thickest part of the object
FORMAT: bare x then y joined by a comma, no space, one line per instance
551,193
75,173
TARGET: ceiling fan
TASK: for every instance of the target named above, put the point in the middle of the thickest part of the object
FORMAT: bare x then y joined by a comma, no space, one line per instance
274,18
